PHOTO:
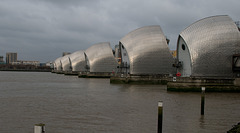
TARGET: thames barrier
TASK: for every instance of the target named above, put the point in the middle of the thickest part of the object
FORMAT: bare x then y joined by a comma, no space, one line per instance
207,54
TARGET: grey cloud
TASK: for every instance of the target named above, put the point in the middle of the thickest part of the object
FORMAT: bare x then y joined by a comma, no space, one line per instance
43,29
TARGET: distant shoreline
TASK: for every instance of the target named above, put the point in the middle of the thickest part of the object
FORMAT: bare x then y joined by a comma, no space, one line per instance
20,70
24,68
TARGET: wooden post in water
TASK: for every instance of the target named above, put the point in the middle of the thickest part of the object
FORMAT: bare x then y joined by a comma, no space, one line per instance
202,100
160,116
39,128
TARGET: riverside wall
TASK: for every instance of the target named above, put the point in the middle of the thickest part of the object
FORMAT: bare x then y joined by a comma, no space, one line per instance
212,84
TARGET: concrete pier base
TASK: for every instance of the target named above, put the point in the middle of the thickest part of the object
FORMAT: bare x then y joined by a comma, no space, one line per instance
95,74
53,71
71,73
57,72
212,84
139,79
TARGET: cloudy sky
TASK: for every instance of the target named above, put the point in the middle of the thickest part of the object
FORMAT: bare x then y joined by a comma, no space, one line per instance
43,29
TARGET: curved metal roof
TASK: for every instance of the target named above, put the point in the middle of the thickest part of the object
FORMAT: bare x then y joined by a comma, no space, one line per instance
211,43
65,63
77,61
58,64
100,57
148,51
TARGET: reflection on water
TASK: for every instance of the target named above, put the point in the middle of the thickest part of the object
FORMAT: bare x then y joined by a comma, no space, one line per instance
70,104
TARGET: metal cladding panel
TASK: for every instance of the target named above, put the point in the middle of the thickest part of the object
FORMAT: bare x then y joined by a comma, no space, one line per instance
78,62
58,64
101,58
65,63
148,51
212,42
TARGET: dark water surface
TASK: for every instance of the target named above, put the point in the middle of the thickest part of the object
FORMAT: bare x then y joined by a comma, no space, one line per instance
75,105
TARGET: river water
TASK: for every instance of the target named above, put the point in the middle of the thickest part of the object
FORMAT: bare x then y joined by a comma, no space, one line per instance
68,104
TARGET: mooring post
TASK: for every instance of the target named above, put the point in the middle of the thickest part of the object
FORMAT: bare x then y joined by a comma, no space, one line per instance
160,116
39,128
202,100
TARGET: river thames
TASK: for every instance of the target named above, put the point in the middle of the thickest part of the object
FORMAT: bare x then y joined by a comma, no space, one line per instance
68,104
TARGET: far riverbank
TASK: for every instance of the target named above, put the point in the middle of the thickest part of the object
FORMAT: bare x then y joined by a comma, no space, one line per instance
24,68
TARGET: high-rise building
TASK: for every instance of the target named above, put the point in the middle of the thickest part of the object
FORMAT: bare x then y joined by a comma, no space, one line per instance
1,59
11,57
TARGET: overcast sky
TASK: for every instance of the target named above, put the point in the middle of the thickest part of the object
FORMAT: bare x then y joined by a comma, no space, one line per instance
42,29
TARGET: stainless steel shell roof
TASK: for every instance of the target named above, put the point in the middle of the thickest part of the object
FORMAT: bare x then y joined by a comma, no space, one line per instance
211,43
77,61
58,64
65,63
148,51
100,57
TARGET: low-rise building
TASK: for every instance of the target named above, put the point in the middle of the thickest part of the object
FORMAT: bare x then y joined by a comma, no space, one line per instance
35,63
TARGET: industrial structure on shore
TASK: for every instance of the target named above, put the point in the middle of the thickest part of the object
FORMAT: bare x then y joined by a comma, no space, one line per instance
208,53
